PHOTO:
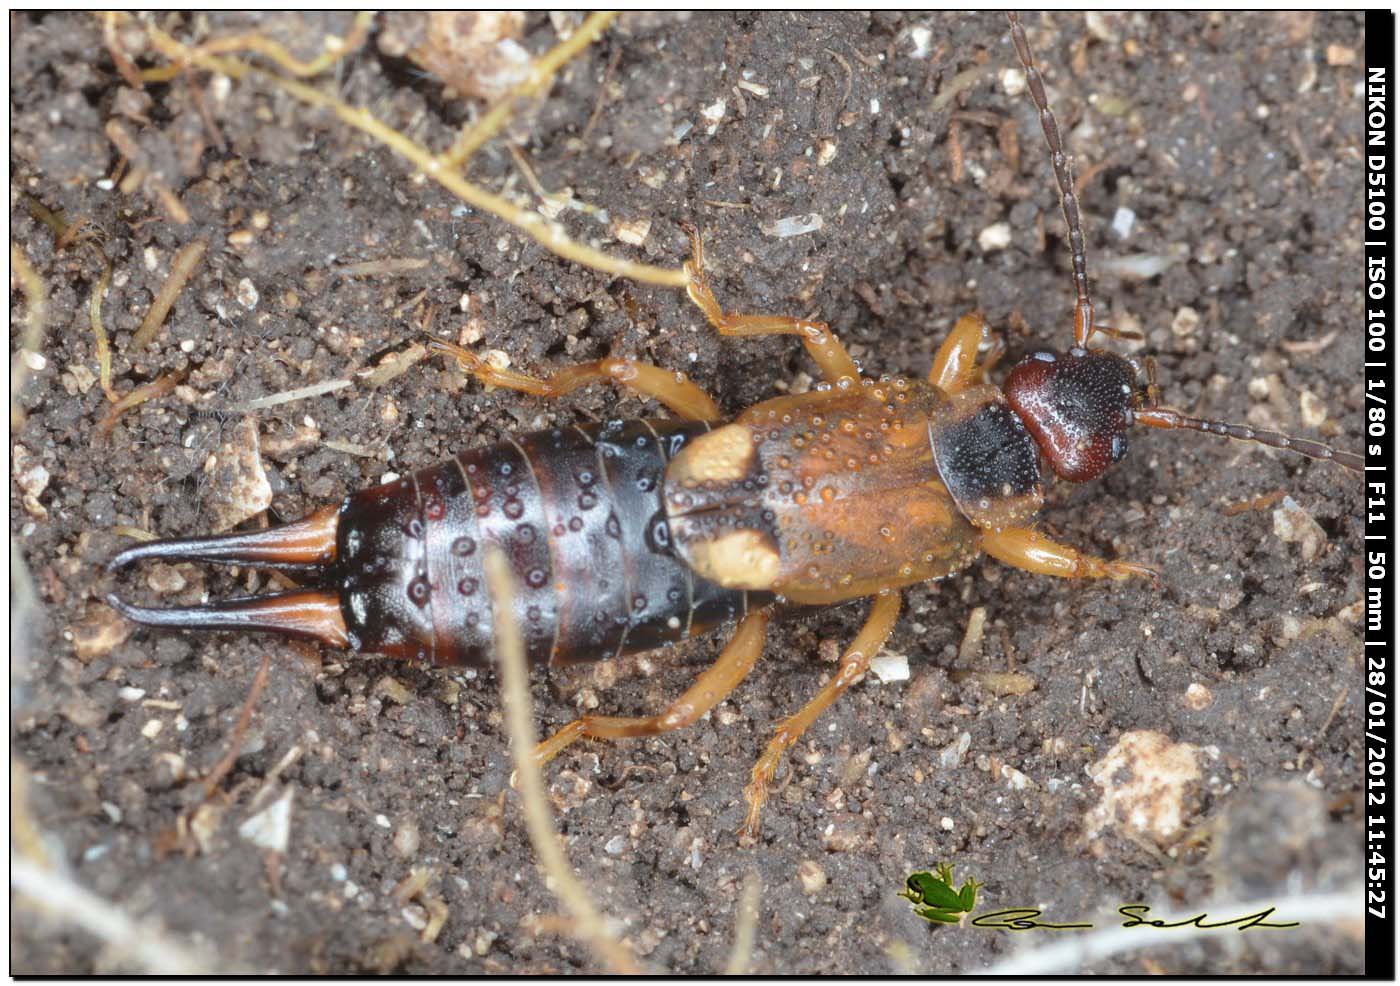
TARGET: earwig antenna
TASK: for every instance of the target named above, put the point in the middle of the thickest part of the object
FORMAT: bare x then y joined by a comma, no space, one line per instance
1084,326
1165,417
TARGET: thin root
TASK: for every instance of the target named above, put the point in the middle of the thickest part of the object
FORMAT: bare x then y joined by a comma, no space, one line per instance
442,169
588,925
99,333
235,739
180,270
156,388
33,286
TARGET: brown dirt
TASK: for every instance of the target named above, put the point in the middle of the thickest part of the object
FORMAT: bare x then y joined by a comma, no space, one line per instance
1195,122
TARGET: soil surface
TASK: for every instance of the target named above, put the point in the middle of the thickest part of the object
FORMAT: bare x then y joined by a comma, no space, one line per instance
1220,157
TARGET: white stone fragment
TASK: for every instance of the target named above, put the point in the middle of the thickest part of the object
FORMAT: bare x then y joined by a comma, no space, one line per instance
271,828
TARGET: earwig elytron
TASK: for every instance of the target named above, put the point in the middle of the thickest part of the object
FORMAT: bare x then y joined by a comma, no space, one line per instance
629,535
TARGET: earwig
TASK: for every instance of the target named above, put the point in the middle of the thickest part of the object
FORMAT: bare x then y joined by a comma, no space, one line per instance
628,535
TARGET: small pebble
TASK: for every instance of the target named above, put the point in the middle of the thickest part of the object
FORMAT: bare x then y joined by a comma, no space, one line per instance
1198,696
810,876
271,828
997,236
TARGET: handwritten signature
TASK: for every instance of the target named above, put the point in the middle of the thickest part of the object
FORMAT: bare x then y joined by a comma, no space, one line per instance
1135,916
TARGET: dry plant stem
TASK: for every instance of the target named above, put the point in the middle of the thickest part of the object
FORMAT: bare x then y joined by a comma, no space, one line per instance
745,927
180,270
235,740
959,83
33,286
541,73
99,333
273,50
25,835
291,396
589,925
530,223
370,268
156,388
56,894
124,65
266,46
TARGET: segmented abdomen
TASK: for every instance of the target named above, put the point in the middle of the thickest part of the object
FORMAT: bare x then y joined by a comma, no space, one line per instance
578,512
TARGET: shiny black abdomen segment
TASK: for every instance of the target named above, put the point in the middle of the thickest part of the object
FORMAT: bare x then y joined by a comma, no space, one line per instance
578,512
589,581
510,512
634,456
380,569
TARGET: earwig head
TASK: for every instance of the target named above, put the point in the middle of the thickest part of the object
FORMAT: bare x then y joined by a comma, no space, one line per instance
1078,406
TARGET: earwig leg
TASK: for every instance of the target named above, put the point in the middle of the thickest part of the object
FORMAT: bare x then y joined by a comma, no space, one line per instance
667,387
1028,549
711,688
854,662
822,345
955,366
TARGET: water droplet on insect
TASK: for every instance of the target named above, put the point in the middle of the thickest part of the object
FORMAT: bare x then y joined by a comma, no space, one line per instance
467,586
659,534
613,527
587,501
433,508
514,509
463,546
526,534
420,592
536,577
575,523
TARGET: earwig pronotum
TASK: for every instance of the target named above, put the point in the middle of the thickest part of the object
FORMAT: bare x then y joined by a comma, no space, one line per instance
628,535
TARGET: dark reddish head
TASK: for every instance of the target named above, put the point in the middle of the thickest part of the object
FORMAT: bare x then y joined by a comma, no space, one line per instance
1078,406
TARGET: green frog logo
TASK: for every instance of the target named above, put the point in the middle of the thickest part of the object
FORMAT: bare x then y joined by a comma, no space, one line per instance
934,898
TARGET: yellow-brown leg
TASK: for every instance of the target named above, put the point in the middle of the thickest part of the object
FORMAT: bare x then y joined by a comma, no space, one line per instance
667,387
836,364
955,367
854,662
1028,549
711,688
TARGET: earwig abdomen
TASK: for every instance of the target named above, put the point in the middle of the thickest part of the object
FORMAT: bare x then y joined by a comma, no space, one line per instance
578,512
